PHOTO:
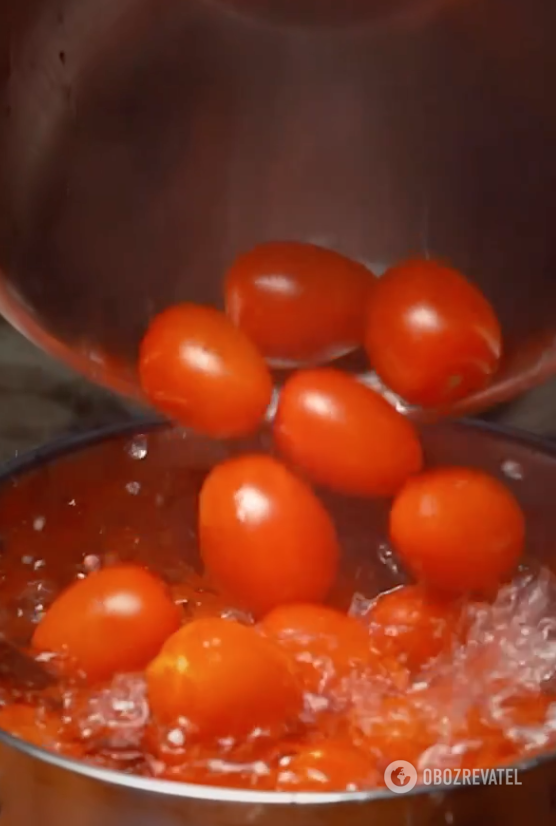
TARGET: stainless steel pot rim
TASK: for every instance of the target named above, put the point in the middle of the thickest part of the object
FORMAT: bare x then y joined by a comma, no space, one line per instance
213,794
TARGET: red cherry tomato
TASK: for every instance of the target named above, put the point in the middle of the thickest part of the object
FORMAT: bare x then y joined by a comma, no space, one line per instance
345,435
224,679
431,335
298,302
457,529
115,620
325,644
264,537
331,766
413,625
199,369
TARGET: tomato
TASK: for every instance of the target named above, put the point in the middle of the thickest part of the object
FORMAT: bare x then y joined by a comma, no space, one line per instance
264,537
115,620
39,727
413,625
299,303
199,369
431,336
224,679
457,529
345,435
331,766
325,644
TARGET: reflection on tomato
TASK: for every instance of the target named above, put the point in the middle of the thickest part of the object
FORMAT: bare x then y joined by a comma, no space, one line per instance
114,620
345,435
331,766
325,644
223,679
264,537
200,370
413,625
299,303
431,335
457,529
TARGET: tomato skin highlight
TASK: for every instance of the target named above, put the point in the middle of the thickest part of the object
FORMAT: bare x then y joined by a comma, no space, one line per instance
457,529
115,620
199,369
431,335
299,303
225,679
319,640
264,537
330,766
344,435
413,625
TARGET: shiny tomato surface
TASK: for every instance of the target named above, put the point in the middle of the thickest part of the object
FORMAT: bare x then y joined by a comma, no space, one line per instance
299,303
431,335
458,529
344,435
196,367
114,620
264,537
225,679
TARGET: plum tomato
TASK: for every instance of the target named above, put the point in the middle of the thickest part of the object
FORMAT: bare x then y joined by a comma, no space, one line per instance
265,538
457,529
299,303
196,367
431,335
345,435
115,620
330,766
224,679
325,644
414,625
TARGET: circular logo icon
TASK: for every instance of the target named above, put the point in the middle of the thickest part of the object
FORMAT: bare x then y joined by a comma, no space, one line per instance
400,777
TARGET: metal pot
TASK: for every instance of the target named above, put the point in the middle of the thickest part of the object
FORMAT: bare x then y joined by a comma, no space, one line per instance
142,145
57,487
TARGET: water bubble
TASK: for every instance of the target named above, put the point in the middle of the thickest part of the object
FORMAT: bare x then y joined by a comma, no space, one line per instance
114,717
512,470
91,563
38,523
138,448
388,558
360,606
133,488
34,600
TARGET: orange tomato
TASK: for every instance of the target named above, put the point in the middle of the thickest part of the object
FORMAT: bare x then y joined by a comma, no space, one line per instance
413,625
431,335
331,766
457,529
325,644
115,620
224,679
264,537
298,302
198,368
345,435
